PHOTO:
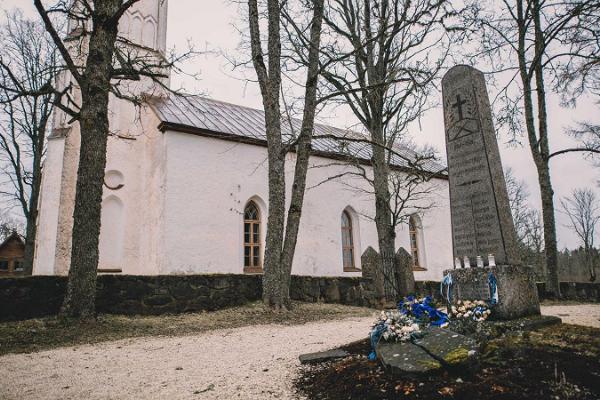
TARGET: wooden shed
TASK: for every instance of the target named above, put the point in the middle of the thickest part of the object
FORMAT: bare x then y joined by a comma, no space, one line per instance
12,251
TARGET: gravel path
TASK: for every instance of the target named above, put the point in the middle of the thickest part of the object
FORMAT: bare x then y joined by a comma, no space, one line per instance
578,314
254,362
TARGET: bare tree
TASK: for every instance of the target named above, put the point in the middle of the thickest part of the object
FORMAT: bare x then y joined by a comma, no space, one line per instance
583,211
522,39
381,60
9,224
282,232
97,62
527,221
30,58
580,74
517,199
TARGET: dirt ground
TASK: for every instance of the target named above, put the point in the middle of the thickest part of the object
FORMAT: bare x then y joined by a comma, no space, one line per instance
251,362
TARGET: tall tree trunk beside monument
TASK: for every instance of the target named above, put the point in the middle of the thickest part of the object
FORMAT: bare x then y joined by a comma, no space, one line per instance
532,37
539,147
281,236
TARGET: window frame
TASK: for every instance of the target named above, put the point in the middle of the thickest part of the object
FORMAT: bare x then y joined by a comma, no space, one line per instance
255,243
348,231
415,244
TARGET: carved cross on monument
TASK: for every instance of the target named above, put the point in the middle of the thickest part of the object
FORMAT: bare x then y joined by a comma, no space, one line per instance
458,105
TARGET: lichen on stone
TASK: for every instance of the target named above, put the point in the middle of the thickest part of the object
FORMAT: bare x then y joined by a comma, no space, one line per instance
457,356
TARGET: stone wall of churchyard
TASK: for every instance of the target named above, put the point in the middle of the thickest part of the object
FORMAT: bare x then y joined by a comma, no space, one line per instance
38,296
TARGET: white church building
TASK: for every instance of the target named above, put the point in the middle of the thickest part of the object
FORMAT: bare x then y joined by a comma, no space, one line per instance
186,190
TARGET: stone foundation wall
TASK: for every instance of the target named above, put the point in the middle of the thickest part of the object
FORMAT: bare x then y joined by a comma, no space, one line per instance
579,291
39,296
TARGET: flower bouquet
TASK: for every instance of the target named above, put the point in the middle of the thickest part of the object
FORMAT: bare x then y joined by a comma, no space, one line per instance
476,310
404,323
396,326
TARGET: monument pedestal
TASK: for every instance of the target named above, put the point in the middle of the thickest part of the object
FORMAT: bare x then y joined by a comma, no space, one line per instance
516,289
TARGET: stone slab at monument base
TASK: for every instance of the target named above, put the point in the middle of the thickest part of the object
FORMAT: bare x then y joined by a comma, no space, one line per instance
516,289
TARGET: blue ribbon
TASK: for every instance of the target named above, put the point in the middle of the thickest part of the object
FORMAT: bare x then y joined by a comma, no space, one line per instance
375,337
493,288
422,310
447,281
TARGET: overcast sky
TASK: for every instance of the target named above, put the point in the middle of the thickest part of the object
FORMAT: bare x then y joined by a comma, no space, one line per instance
212,24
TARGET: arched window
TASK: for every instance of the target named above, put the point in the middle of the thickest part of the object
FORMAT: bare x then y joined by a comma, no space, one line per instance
414,225
252,261
347,242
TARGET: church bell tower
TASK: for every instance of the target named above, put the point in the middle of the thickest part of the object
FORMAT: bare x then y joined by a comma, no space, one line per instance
144,28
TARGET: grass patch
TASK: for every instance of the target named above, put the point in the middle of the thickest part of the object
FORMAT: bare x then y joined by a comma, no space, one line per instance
47,333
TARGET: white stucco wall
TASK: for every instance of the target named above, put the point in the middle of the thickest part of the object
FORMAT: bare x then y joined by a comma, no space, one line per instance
208,182
49,202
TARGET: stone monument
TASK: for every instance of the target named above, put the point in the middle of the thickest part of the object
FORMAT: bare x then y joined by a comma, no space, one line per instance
483,233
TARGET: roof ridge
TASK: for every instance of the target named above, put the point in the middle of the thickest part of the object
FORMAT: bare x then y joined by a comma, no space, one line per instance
208,98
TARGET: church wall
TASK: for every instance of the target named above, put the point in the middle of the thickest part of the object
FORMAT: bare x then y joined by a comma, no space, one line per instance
49,205
436,233
131,207
209,181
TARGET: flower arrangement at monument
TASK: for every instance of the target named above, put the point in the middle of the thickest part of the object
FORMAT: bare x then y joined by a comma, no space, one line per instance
396,326
402,324
476,310
424,311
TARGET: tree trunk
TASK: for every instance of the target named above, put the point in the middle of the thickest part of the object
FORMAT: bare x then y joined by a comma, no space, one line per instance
547,193
550,246
80,299
36,183
386,233
303,149
31,228
538,144
274,294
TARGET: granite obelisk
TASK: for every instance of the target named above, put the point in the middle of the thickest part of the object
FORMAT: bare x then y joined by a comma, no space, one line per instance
481,220
482,225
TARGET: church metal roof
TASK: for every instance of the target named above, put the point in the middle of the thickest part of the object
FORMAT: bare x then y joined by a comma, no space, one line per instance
197,114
